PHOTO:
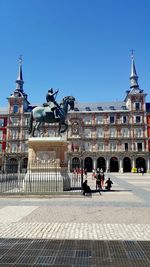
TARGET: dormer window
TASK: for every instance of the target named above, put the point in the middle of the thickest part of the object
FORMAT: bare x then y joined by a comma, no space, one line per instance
124,107
76,109
15,109
99,108
87,109
112,107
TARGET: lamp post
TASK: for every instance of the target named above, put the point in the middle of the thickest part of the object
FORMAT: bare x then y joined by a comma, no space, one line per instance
81,157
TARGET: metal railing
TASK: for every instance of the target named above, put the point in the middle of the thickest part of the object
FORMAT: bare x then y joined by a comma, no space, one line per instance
39,179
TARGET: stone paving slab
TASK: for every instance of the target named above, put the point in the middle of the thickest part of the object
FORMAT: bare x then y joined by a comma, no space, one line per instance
82,231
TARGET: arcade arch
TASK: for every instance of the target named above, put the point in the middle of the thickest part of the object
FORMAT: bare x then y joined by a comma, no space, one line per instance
126,164
140,163
114,166
88,164
101,164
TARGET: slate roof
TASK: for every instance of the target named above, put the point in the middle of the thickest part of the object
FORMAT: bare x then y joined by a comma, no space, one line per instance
100,106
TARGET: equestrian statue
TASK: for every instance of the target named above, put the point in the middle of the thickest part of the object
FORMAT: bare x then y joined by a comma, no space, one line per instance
51,112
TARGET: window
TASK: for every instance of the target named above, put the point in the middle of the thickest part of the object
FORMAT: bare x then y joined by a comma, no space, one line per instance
124,119
14,147
100,146
76,109
99,108
51,132
1,135
15,109
26,134
112,132
24,147
125,132
87,146
14,134
137,119
14,121
112,107
75,128
1,122
100,132
112,146
87,120
87,109
139,146
138,132
126,146
26,121
137,106
112,119
87,133
99,119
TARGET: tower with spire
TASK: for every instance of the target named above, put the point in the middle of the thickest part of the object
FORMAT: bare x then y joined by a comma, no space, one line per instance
18,107
135,94
18,97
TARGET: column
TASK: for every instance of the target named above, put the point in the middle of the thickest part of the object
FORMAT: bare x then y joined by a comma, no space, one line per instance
133,163
120,166
107,165
94,163
69,167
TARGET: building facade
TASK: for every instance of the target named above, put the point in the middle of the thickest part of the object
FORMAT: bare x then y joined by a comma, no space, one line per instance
114,136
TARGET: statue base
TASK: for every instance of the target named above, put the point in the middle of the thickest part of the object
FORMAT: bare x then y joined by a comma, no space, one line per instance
47,165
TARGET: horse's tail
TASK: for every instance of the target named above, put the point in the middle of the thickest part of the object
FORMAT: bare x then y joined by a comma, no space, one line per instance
30,123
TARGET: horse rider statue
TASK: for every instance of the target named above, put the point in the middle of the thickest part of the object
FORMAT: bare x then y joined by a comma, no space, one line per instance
51,102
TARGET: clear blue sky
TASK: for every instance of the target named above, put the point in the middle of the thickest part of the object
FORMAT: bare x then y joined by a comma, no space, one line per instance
81,47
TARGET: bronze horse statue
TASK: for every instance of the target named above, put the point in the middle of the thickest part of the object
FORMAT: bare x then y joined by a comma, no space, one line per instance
42,114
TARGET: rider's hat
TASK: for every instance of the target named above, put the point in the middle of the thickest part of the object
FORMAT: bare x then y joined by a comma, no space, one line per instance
50,90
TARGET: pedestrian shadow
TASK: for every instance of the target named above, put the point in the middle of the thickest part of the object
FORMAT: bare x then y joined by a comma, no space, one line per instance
112,190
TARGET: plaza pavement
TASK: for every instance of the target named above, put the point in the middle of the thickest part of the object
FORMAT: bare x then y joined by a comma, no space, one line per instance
121,214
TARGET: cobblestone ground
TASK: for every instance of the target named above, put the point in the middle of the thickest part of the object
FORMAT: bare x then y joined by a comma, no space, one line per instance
117,222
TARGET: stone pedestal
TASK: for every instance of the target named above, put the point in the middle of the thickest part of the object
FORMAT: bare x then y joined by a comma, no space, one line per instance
47,165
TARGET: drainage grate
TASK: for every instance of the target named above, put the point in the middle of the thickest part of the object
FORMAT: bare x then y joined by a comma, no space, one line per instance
83,253
136,254
8,259
42,260
73,253
66,253
26,260
49,252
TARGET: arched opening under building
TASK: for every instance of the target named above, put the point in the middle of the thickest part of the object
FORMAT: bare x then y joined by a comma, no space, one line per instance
140,163
126,164
75,163
88,164
101,164
114,166
12,166
24,165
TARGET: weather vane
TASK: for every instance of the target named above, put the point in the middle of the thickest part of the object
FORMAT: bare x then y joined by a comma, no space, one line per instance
20,59
132,53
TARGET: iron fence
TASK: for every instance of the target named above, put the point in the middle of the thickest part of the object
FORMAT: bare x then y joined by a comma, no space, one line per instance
39,179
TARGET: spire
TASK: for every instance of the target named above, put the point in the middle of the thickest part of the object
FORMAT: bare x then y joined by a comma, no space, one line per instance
133,76
19,81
